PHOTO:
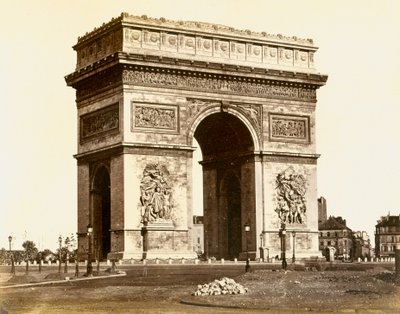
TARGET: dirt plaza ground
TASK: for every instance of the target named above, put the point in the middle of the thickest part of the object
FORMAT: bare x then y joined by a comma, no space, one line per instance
342,288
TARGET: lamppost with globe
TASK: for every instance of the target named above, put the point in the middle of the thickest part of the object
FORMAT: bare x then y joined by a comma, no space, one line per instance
89,269
247,230
11,255
283,245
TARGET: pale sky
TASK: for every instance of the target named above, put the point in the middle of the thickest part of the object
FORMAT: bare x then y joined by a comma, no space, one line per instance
358,111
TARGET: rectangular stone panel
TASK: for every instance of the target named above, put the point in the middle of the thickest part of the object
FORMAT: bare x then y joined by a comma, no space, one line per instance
187,44
238,51
254,52
270,55
99,123
169,42
221,48
154,117
289,128
204,46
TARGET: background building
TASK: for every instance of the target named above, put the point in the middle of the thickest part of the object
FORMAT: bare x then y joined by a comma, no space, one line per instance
362,245
387,236
334,233
198,235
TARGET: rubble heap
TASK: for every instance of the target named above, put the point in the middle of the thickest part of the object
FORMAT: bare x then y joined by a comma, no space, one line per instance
222,286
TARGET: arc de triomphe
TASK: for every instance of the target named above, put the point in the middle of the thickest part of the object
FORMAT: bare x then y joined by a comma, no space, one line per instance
144,89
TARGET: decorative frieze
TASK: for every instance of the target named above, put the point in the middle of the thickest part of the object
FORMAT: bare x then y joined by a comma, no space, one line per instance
100,122
291,203
289,128
153,116
215,47
224,84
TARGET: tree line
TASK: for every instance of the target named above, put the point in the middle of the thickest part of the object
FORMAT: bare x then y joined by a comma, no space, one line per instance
65,252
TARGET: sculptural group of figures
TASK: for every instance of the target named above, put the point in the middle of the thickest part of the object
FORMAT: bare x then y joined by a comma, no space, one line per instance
155,198
291,203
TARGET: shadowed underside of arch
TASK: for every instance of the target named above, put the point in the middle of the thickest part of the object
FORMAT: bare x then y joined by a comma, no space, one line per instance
223,134
101,203
224,139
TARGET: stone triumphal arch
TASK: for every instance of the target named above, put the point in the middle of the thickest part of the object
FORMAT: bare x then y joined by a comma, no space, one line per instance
145,88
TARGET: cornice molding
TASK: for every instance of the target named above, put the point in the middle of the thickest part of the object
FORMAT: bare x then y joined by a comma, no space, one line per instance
129,60
209,29
133,148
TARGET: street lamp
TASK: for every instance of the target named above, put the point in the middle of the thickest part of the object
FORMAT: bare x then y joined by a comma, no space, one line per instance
12,255
89,270
283,246
247,230
294,246
144,234
59,254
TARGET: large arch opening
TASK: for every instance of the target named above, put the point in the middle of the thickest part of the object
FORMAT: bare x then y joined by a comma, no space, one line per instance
101,213
228,183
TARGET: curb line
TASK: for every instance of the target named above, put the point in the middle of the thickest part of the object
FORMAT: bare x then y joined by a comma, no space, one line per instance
60,281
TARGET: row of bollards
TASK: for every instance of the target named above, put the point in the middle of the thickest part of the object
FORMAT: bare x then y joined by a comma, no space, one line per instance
196,261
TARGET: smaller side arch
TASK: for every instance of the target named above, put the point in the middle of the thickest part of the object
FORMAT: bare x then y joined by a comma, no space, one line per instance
100,207
95,172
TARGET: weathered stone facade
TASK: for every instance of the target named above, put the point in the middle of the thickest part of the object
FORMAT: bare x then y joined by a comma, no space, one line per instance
145,88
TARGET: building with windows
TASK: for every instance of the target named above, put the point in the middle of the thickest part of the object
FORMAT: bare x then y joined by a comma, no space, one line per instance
335,235
362,245
198,235
387,236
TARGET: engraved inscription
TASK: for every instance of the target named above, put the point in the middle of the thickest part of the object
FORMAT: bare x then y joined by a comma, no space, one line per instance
285,127
151,116
188,80
100,122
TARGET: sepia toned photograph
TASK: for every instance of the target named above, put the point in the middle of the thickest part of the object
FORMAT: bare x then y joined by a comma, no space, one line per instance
200,156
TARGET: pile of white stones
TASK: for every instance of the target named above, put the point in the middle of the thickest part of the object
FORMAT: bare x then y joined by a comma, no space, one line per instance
222,286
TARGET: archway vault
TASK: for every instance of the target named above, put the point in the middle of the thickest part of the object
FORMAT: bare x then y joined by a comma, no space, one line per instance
219,108
228,182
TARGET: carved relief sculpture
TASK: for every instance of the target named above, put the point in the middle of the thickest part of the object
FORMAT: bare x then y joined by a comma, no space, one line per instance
286,127
154,117
155,195
223,85
291,203
99,122
197,105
